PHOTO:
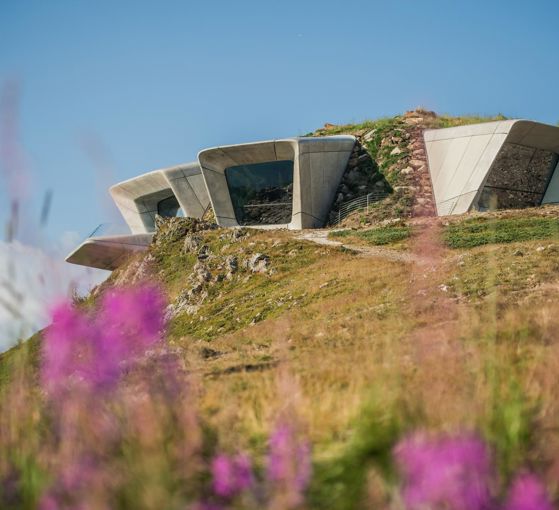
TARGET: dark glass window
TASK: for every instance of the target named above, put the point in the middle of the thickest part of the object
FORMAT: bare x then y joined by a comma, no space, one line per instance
518,178
169,207
262,193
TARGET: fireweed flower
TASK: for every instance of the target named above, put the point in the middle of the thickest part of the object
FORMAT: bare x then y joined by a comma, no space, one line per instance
231,475
93,351
527,493
452,472
289,464
68,348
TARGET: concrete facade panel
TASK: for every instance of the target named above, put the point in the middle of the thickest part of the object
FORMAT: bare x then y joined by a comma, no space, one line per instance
436,155
443,185
476,147
462,159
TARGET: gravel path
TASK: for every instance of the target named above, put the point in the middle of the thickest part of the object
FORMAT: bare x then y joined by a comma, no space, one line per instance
321,237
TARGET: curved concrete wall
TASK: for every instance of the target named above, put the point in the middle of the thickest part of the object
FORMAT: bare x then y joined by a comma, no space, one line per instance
137,198
318,166
463,160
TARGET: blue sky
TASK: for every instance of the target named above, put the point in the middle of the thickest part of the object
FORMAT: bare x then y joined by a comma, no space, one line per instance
112,89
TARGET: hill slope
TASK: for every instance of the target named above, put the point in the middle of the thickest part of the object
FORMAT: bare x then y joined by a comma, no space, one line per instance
440,324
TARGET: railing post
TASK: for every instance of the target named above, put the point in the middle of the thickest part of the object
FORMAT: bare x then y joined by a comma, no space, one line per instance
367,203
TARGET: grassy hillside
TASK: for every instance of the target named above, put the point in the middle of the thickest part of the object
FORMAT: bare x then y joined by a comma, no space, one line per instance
462,339
458,335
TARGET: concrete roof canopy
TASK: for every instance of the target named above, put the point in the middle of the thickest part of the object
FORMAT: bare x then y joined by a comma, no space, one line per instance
138,200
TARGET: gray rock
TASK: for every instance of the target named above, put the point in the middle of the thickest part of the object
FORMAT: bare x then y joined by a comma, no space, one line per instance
232,263
201,273
258,263
204,252
191,243
238,233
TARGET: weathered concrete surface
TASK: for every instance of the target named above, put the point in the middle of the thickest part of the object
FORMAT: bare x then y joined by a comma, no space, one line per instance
108,252
137,198
318,165
505,163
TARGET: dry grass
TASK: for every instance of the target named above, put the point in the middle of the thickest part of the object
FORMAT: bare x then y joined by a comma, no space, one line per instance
369,348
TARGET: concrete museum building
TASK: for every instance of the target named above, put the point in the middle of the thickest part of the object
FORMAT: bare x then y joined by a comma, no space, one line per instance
291,183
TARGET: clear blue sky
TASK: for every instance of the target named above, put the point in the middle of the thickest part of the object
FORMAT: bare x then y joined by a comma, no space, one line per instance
112,89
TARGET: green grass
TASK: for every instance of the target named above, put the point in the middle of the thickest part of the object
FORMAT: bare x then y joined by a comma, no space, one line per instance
377,236
23,354
444,121
481,231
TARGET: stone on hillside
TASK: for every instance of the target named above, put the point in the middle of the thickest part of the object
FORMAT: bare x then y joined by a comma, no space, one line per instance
204,252
231,265
258,263
395,151
367,137
201,272
238,233
191,243
406,171
173,229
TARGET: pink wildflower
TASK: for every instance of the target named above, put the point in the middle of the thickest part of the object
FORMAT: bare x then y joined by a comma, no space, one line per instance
231,475
289,464
94,351
452,473
527,493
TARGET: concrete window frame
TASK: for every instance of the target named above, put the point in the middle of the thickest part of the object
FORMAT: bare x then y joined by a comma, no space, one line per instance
318,166
462,158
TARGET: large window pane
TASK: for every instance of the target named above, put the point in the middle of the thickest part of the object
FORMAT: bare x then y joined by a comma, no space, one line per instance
169,207
518,178
262,193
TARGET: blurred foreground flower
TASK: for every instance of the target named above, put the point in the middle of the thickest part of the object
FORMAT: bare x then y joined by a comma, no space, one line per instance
452,472
289,466
527,493
231,475
93,351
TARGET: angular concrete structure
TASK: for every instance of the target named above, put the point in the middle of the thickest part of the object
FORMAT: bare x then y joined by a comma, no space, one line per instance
161,192
495,165
175,191
108,252
279,183
291,183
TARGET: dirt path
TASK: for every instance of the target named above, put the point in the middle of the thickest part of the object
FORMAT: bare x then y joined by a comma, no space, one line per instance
321,237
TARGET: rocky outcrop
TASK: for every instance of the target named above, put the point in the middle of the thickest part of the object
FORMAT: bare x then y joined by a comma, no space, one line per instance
362,175
418,169
389,160
173,229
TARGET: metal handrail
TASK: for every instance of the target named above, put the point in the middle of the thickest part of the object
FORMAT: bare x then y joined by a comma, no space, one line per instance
362,202
109,229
